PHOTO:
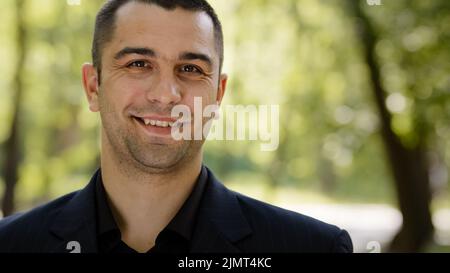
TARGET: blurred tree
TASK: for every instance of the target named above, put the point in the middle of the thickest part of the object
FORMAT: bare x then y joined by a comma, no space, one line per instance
409,164
12,144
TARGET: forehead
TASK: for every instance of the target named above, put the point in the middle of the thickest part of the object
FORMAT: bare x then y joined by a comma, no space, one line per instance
166,31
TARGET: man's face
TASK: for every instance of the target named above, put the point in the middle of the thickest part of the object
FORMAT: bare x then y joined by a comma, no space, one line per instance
156,59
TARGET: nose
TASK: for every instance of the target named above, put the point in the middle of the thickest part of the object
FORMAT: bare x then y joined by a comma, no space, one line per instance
165,91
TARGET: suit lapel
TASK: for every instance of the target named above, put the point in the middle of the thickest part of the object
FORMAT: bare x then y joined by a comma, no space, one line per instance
75,224
221,222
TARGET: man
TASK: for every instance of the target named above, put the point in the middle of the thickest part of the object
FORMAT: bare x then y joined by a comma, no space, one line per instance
152,193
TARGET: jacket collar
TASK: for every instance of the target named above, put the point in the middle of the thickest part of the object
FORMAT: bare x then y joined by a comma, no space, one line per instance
220,220
76,221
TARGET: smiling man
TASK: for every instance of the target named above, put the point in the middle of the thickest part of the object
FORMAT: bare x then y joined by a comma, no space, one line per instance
152,193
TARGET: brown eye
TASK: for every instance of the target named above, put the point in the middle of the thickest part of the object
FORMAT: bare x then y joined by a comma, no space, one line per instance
190,69
138,64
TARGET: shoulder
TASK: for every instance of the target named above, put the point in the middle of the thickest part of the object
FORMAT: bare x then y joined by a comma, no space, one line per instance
36,215
289,230
269,228
25,228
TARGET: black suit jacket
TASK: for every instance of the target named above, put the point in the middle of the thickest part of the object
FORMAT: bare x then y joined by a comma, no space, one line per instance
227,222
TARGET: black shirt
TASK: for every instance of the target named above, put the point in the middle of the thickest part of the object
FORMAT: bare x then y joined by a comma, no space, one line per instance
174,238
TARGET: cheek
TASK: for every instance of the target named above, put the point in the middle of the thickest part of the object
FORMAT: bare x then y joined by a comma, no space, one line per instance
197,102
124,84
131,87
121,94
204,90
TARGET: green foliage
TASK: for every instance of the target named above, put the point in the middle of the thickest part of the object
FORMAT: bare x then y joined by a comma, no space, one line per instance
302,55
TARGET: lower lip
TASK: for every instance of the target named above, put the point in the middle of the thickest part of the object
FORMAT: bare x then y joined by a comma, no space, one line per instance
155,130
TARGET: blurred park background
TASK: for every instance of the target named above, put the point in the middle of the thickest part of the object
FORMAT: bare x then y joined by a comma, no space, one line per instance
364,95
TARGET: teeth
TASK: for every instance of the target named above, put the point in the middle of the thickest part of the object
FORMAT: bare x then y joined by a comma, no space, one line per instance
158,123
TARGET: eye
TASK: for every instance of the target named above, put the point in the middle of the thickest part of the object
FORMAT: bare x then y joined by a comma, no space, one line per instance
190,69
138,64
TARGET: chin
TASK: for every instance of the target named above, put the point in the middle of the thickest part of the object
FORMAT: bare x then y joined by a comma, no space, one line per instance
160,167
155,162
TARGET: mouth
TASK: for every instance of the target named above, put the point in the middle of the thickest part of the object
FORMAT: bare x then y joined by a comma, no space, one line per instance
157,126
155,122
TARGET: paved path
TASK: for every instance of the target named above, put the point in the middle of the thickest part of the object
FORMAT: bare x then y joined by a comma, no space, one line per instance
371,227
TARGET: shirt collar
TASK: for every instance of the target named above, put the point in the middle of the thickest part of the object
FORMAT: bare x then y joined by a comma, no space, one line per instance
183,223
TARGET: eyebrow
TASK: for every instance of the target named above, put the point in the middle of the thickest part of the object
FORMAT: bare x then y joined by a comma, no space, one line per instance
135,50
151,53
189,56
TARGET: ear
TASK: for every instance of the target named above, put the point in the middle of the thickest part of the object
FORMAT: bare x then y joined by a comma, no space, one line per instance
90,84
222,87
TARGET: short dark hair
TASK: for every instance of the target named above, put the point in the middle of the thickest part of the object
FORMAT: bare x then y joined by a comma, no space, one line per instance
105,23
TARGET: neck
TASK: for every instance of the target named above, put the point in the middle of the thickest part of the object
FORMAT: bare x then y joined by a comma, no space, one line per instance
143,203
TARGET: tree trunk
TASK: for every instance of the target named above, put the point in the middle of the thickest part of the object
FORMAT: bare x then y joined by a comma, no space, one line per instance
409,165
12,143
